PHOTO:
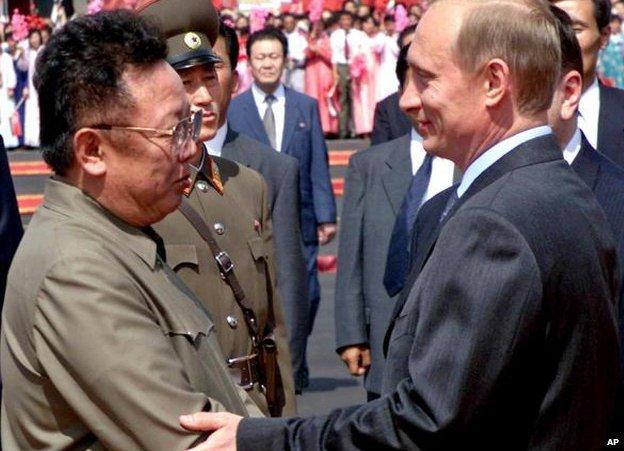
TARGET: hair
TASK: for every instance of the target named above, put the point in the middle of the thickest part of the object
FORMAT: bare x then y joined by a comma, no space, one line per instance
389,18
571,57
231,43
402,65
522,33
79,76
406,31
602,13
267,34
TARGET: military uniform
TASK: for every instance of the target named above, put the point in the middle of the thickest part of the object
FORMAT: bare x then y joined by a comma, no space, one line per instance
102,346
232,200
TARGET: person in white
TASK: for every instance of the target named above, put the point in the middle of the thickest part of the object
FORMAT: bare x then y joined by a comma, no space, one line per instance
7,95
294,75
387,82
31,115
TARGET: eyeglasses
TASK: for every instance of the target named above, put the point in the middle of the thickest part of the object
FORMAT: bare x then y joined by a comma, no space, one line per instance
188,129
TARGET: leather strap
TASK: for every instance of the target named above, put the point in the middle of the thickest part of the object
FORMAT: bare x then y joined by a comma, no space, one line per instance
226,267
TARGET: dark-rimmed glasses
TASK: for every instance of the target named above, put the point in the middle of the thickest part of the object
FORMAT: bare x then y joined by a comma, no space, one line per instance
187,129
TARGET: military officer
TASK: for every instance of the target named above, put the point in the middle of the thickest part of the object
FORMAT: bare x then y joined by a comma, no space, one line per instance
232,201
102,346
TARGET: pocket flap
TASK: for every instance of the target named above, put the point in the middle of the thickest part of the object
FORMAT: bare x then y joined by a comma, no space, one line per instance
181,254
191,328
256,245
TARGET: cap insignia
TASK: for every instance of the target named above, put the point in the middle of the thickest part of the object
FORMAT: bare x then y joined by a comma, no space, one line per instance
192,40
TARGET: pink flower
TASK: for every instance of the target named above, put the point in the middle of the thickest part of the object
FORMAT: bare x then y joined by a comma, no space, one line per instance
95,6
257,18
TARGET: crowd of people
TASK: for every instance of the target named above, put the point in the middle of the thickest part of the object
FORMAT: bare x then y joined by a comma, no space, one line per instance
172,267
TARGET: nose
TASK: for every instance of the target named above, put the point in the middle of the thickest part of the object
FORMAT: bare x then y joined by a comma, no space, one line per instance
202,97
410,96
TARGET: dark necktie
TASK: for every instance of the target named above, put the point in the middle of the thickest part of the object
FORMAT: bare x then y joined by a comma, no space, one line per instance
269,120
347,51
397,261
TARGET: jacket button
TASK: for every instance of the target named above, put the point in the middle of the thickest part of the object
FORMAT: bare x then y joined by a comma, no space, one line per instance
232,321
202,185
219,228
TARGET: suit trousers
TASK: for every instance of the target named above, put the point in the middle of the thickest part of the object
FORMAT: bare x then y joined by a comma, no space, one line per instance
344,87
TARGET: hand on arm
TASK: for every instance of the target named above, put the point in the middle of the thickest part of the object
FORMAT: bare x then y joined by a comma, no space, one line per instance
222,428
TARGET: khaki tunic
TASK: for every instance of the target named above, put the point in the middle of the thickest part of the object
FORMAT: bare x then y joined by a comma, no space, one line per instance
241,225
102,346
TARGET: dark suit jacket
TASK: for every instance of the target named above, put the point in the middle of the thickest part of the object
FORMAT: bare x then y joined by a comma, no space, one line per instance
302,139
611,124
389,122
508,334
376,182
10,223
281,173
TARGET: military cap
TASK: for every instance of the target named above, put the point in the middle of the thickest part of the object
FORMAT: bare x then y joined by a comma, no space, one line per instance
190,26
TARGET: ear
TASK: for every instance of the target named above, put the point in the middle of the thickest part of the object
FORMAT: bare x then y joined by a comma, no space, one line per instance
604,36
88,145
571,85
497,81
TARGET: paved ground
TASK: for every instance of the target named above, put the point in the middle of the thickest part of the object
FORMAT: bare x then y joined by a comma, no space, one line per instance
330,384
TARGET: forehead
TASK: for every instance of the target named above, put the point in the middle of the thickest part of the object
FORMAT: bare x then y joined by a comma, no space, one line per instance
158,85
434,37
267,46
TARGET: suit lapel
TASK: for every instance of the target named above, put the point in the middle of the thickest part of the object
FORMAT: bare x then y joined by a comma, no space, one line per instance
398,174
585,165
253,119
610,128
291,117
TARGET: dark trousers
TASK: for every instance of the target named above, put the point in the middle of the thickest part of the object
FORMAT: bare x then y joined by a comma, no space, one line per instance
344,97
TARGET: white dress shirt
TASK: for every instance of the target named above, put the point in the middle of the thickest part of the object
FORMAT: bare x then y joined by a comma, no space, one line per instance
573,148
495,153
214,146
589,109
355,38
297,45
441,169
278,106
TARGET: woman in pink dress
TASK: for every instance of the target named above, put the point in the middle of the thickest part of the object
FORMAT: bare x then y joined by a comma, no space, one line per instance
363,66
319,78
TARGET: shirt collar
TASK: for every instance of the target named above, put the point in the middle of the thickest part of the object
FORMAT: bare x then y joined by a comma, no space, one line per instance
214,146
589,100
495,153
259,95
70,201
573,147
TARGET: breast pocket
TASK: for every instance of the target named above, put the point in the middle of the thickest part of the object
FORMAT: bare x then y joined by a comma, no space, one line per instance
190,329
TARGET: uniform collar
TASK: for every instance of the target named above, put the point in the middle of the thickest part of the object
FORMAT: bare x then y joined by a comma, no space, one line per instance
71,202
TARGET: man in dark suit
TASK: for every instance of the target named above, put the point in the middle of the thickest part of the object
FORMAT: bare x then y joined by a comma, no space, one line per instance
10,223
389,121
281,173
289,122
601,109
508,335
377,181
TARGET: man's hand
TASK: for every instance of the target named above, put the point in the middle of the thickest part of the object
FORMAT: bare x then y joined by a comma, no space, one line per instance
222,424
357,358
326,232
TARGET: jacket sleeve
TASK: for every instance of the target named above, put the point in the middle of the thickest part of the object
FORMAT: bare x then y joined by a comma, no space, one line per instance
324,203
108,357
277,311
292,279
460,353
349,300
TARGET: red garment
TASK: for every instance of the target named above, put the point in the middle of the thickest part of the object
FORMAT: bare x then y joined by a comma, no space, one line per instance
319,80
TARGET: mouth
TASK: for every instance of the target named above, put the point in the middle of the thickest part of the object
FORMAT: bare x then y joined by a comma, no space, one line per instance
208,117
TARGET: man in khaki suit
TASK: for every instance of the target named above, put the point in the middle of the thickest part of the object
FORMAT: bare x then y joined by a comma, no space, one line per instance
232,200
102,346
